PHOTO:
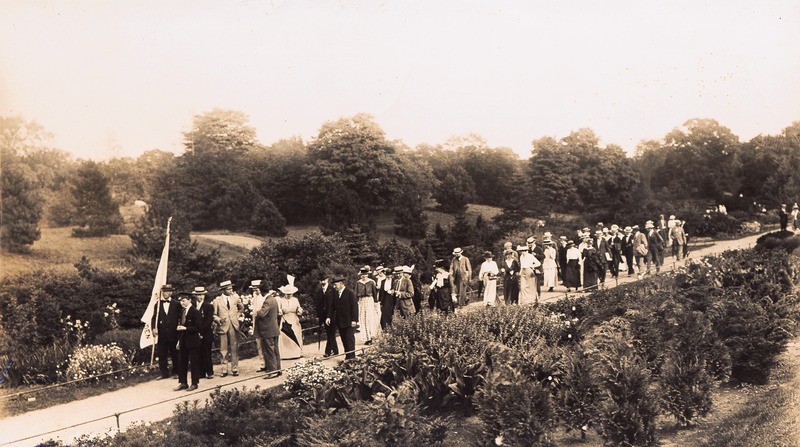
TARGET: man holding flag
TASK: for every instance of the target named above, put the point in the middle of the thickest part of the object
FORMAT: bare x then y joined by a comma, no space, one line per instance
151,313
165,329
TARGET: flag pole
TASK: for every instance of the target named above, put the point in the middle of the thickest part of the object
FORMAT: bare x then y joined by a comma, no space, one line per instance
148,337
158,306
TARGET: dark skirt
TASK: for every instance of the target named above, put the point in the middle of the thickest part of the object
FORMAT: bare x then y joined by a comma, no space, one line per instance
589,274
572,274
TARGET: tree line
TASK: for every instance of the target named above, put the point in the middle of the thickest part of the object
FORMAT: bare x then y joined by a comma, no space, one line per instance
350,173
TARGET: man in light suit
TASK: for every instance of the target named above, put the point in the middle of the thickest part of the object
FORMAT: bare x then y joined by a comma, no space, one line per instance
678,236
227,308
266,329
343,312
461,274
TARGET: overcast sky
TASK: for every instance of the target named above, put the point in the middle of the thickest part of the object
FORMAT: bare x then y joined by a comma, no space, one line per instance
116,78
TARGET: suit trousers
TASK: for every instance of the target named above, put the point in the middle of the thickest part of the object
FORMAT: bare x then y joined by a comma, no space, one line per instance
206,363
272,353
460,286
167,349
406,306
229,348
189,357
348,335
331,346
629,262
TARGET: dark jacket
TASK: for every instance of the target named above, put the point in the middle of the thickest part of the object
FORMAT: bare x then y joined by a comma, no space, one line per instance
190,338
266,325
167,321
321,302
206,323
342,311
510,273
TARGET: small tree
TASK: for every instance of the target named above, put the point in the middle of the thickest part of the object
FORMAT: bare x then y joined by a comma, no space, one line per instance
267,220
22,208
97,213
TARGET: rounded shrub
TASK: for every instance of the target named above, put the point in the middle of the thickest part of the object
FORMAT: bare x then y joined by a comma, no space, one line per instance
87,361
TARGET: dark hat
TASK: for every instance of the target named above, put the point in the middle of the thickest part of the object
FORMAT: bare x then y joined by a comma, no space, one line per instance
364,271
570,242
440,263
338,279
185,295
488,254
167,288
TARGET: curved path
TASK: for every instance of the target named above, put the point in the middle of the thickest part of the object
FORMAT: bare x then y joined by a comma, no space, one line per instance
155,400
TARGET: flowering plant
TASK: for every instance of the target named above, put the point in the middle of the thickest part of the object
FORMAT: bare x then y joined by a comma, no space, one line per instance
246,315
306,376
91,360
76,330
110,313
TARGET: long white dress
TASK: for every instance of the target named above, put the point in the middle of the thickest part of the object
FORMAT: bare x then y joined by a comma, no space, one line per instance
550,267
488,274
289,348
369,312
527,278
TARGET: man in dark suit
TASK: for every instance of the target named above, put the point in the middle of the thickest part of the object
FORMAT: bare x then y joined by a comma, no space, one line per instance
266,329
784,217
385,297
188,344
538,252
343,313
206,328
603,254
627,249
165,323
321,300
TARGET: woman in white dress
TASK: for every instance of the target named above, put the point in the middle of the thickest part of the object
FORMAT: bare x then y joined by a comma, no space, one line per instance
527,278
550,266
291,336
369,316
488,274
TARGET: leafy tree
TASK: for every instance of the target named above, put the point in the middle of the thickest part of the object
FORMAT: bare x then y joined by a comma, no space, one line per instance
491,170
462,232
96,212
770,169
354,172
21,205
278,173
417,180
220,130
267,220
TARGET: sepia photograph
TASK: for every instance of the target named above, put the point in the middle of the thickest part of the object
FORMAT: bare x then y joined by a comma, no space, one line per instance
297,223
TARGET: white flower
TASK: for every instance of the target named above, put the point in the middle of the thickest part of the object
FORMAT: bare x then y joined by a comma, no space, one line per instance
498,440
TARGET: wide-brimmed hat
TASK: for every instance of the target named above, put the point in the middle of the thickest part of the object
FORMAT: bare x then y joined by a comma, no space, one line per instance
199,290
547,235
289,288
649,224
398,269
225,284
457,251
364,271
255,284
635,227
407,269
522,248
167,288
379,269
488,254
440,263
628,229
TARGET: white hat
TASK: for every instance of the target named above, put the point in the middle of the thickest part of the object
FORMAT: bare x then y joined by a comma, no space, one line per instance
522,248
548,235
225,284
457,251
407,269
530,240
615,227
649,224
288,289
672,216
255,284
199,290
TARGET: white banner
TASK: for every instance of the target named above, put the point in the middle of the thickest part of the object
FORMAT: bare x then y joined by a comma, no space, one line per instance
147,338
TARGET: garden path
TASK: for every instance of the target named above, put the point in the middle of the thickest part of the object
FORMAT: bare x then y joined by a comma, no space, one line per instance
155,400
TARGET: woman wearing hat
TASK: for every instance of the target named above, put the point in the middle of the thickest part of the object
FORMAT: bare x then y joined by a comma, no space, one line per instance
291,338
572,270
440,297
368,312
549,265
591,263
488,275
510,270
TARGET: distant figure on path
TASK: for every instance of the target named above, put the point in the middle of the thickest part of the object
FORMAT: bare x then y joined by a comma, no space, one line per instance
322,292
784,217
343,312
509,268
166,331
460,273
266,328
488,275
188,345
572,273
227,308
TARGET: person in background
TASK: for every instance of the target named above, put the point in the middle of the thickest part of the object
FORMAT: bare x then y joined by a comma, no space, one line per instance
641,251
549,266
290,339
386,300
321,300
166,331
678,237
343,312
627,249
795,217
203,304
527,276
268,331
656,245
188,345
460,275
784,217
488,275
562,256
257,300
441,293
572,274
509,268
227,308
367,293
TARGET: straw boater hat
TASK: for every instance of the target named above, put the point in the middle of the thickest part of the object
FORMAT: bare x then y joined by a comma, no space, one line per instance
531,239
226,284
628,229
614,227
547,235
398,269
635,227
563,238
379,269
289,289
199,290
440,263
457,251
407,269
522,248
255,284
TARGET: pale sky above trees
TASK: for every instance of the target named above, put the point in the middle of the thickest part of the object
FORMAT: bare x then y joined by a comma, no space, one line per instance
120,78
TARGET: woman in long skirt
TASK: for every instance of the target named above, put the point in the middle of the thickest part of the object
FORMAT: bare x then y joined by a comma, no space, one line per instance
488,275
290,341
510,270
527,277
589,266
368,313
572,270
549,266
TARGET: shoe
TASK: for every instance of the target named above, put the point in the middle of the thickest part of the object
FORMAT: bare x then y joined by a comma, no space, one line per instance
174,376
368,342
262,369
192,388
163,377
326,355
181,387
224,374
273,375
235,373
210,376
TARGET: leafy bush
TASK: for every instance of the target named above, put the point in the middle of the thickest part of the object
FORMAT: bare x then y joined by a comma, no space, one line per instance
389,420
716,223
515,410
38,364
578,393
785,240
310,374
267,220
87,361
